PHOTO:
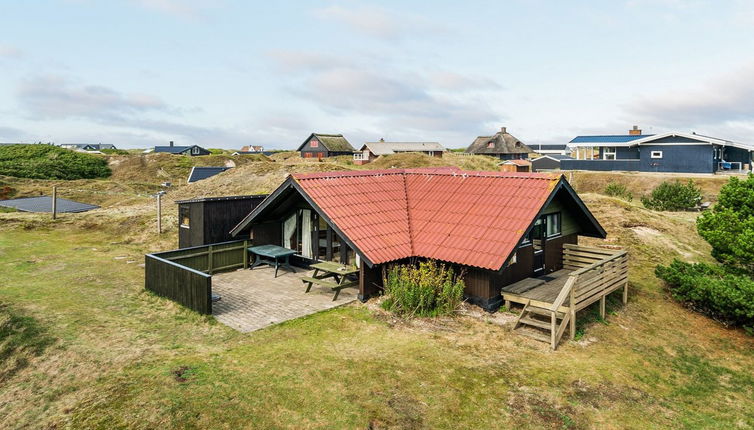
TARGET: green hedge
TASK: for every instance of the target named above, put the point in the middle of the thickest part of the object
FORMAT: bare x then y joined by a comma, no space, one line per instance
50,162
426,289
615,189
721,293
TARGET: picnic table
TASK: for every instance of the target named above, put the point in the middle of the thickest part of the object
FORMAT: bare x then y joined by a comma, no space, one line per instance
326,269
271,255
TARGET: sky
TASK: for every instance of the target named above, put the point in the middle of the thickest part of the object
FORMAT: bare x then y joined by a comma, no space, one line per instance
224,73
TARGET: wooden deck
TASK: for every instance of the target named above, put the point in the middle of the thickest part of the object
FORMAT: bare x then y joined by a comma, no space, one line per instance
551,301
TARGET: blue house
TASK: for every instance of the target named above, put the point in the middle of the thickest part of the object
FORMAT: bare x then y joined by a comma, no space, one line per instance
192,150
666,152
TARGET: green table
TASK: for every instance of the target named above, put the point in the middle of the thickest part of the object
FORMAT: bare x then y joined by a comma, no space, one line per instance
338,272
273,254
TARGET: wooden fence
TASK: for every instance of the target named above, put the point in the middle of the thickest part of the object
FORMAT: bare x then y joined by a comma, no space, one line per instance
185,275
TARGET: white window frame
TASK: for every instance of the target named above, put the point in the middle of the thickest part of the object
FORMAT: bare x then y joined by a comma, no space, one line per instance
655,154
605,153
558,224
195,150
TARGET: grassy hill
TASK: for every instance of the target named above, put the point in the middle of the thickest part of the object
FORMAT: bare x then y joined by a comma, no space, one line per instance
50,162
82,345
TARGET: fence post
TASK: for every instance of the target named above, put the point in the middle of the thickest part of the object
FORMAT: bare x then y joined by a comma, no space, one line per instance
54,202
209,259
159,213
246,254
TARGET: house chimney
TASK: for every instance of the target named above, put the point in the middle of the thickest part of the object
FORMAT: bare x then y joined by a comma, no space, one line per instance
502,130
171,143
634,131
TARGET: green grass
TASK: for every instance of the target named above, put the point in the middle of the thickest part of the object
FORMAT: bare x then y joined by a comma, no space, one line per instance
100,352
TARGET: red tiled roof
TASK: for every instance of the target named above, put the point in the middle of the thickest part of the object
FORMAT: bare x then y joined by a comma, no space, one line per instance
471,218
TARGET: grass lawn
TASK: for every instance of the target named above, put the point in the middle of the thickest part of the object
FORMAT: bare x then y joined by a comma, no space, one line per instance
82,345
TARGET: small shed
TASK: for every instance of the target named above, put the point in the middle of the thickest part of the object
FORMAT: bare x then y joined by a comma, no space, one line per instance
548,162
194,216
515,166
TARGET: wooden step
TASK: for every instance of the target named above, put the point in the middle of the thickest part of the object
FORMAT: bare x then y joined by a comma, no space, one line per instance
535,322
544,312
534,334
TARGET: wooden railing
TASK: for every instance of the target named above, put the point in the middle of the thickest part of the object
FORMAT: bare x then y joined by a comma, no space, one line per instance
185,275
598,272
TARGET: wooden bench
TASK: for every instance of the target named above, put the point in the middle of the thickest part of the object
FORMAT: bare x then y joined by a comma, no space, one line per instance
335,286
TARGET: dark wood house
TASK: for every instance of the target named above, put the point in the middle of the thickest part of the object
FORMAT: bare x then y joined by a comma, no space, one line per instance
320,146
497,227
502,145
209,220
191,150
548,162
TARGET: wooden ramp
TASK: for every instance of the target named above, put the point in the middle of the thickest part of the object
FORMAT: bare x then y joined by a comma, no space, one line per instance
551,302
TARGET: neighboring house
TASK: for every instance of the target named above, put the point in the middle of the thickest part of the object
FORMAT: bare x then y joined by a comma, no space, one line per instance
548,162
502,145
193,150
371,150
199,173
558,149
250,149
666,152
44,204
499,228
515,166
87,147
319,146
209,220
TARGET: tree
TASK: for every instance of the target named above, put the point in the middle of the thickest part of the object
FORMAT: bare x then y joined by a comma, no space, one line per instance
729,226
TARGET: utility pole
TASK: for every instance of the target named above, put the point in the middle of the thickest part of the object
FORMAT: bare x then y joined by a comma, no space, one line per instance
54,202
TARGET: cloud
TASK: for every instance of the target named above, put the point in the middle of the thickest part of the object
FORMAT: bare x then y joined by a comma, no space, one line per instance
7,51
377,22
10,134
726,99
55,97
392,99
185,9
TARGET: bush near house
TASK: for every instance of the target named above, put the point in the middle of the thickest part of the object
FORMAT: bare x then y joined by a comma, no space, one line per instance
50,162
428,289
712,290
725,292
615,189
673,196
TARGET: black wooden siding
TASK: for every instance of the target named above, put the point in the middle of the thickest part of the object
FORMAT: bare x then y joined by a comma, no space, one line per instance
212,219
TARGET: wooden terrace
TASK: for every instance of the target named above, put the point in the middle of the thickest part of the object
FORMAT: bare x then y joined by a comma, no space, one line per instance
552,301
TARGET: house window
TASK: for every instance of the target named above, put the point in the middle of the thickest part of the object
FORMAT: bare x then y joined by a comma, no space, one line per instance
185,221
490,144
608,153
656,154
513,259
195,150
553,225
314,144
307,155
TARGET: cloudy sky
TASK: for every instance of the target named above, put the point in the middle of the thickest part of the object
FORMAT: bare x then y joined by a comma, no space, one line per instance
224,73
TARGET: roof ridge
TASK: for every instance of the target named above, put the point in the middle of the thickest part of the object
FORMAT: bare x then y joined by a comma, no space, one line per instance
408,216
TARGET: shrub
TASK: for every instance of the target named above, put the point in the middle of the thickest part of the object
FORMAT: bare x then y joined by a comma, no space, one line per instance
673,196
50,162
114,151
615,189
719,292
729,226
426,289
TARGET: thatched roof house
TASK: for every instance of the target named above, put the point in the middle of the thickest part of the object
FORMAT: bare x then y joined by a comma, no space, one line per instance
502,145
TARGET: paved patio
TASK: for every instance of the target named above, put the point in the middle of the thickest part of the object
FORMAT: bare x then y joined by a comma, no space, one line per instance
254,299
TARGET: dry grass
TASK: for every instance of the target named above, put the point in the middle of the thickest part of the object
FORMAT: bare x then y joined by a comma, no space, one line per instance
102,353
